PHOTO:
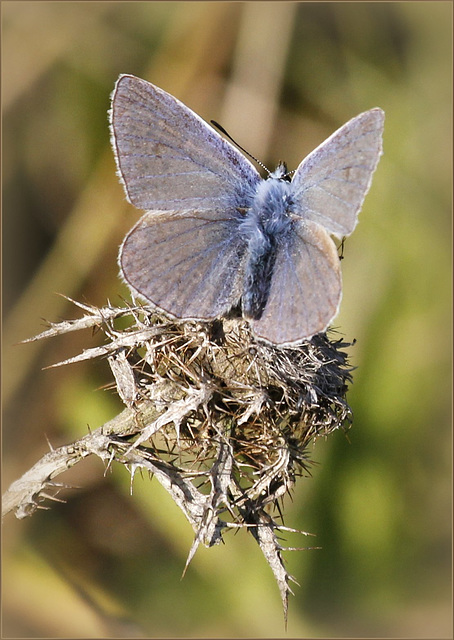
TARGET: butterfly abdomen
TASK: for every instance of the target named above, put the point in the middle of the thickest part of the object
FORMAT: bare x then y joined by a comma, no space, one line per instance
258,272
264,226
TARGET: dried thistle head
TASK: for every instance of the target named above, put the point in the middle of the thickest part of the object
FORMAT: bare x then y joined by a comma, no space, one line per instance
222,420
268,402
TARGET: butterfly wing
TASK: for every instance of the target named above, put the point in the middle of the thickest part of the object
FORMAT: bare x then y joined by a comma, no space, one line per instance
169,159
330,184
306,286
185,255
190,265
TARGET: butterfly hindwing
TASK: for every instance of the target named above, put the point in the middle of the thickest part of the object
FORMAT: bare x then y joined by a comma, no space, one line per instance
190,265
306,286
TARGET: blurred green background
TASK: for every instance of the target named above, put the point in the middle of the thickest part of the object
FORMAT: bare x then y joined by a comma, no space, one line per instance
280,77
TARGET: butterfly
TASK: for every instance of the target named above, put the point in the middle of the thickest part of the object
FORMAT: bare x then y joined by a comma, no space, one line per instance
216,236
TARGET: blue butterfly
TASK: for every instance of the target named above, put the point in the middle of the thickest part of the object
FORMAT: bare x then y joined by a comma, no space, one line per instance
216,235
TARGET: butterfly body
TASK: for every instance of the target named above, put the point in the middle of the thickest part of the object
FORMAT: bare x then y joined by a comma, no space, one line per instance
216,235
265,225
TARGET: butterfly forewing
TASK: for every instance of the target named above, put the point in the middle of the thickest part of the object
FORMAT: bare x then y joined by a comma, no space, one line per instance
305,289
190,265
331,183
170,159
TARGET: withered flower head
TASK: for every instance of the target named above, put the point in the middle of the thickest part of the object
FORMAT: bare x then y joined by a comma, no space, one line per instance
222,420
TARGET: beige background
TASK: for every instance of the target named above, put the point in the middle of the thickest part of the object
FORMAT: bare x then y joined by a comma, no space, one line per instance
280,77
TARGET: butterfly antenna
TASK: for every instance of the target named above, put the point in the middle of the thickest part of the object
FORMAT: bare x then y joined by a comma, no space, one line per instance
222,130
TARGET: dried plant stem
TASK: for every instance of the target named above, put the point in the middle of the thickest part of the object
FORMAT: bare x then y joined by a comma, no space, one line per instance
25,494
